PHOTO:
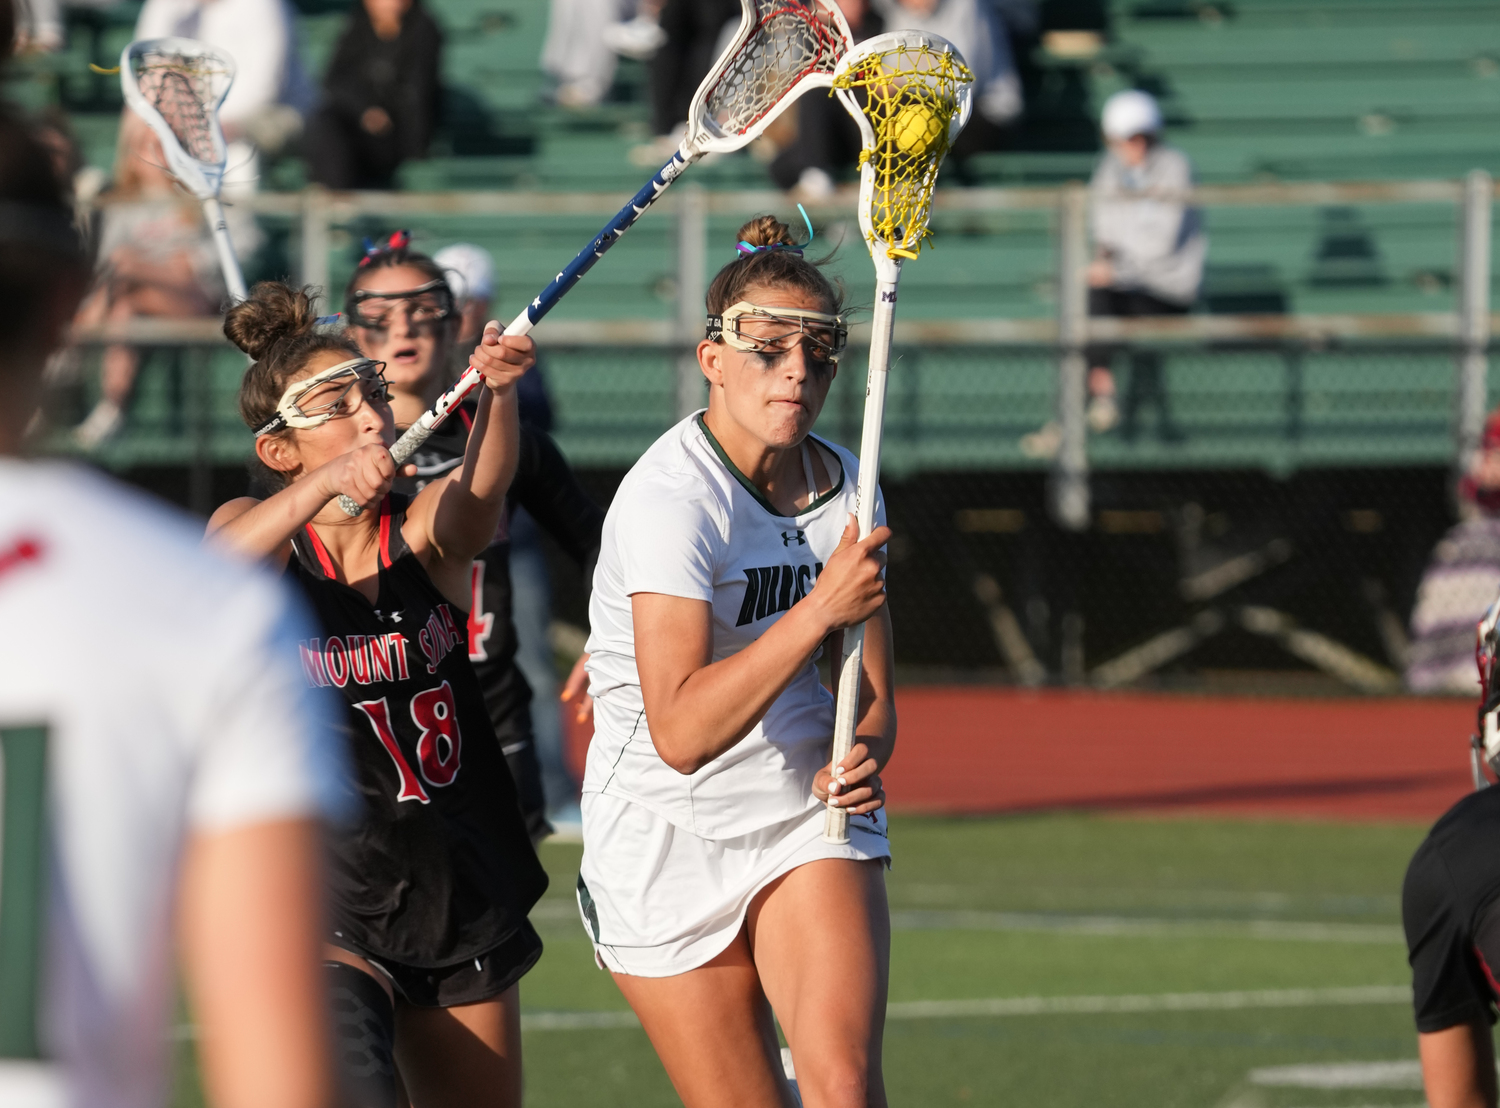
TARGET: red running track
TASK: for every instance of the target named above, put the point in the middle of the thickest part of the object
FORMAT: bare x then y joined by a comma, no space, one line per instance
971,750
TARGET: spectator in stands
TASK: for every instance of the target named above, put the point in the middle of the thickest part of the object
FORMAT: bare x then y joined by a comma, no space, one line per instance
975,27
271,94
381,96
156,258
1461,579
827,138
584,39
1149,248
694,32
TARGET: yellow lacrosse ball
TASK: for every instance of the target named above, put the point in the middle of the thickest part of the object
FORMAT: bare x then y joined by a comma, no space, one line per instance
916,128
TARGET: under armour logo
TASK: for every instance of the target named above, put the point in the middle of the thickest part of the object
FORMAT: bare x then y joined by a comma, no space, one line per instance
388,617
789,537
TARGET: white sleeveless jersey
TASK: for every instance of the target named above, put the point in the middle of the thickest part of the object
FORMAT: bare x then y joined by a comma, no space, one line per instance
686,523
147,691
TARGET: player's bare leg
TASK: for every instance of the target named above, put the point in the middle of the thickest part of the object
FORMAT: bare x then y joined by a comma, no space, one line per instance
467,1056
713,1030
822,944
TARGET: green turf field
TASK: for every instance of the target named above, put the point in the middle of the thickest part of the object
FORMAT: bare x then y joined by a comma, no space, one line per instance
1285,938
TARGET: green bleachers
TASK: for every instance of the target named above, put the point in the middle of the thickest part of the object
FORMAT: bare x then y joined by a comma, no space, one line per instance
1292,90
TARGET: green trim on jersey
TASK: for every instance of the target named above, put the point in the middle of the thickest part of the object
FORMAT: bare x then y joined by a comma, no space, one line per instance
23,882
760,497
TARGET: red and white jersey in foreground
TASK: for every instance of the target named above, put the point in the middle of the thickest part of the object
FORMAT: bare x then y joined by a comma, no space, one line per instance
158,683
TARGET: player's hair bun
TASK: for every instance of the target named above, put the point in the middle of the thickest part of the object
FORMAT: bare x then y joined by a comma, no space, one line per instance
758,267
766,230
271,313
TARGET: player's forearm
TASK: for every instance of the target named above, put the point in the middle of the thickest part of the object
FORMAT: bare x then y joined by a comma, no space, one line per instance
1458,1066
471,500
876,726
719,704
266,528
253,973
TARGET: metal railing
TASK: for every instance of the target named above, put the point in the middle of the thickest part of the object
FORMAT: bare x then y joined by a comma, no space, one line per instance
1467,326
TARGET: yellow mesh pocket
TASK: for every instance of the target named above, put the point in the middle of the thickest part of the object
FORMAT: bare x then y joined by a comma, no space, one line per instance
910,95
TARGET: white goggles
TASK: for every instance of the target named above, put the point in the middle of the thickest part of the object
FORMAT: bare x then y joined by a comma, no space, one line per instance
777,330
360,373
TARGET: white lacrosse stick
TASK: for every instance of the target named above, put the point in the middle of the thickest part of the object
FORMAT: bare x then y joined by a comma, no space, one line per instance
176,85
910,94
782,49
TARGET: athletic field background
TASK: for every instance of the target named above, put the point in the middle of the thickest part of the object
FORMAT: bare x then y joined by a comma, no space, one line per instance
1103,900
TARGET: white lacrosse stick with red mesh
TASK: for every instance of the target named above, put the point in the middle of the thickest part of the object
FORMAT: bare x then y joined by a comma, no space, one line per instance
782,49
176,85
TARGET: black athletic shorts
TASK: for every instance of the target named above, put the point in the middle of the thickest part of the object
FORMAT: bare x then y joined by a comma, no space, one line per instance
471,982
1450,908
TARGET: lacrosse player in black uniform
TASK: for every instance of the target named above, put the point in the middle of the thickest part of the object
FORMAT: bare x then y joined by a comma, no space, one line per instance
1450,906
430,890
401,311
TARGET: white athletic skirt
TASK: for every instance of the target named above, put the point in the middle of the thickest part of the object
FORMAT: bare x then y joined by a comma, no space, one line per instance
658,900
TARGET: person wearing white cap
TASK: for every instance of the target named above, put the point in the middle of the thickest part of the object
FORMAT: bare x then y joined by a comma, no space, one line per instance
1149,245
1149,249
471,275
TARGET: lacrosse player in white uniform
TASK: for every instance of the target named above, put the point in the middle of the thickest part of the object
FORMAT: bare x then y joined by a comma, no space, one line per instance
730,557
163,767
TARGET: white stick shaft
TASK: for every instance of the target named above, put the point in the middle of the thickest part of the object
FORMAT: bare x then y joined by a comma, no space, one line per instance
234,280
851,667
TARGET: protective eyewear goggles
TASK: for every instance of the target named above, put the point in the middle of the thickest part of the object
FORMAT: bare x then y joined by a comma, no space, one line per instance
746,326
329,393
429,303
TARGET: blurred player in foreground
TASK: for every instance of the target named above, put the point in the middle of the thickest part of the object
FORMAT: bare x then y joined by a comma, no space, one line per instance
730,556
1450,906
150,706
432,886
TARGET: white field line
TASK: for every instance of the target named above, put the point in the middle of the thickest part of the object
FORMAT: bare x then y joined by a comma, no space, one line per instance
1131,926
1050,1005
1403,1074
564,912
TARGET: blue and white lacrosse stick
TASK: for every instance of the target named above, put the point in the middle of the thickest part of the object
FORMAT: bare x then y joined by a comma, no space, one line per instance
782,49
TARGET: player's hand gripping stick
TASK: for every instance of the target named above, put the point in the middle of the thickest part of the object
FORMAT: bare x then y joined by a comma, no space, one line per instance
782,49
909,94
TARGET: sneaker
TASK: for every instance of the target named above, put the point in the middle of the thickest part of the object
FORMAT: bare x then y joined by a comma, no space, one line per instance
638,39
102,424
1043,443
814,184
653,154
1103,414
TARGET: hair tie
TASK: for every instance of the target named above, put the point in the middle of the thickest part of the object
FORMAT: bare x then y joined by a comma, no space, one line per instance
745,249
399,240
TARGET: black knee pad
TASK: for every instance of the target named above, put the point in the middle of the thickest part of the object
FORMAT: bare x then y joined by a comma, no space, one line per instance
364,1030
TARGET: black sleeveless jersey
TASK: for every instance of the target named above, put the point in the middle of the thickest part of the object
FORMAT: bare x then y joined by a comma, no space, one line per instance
546,487
438,869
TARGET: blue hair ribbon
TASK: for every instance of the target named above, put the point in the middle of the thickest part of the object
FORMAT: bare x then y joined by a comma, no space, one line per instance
745,250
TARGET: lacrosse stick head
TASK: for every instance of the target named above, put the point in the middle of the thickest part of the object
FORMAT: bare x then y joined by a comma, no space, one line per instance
782,49
1487,653
910,94
176,85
